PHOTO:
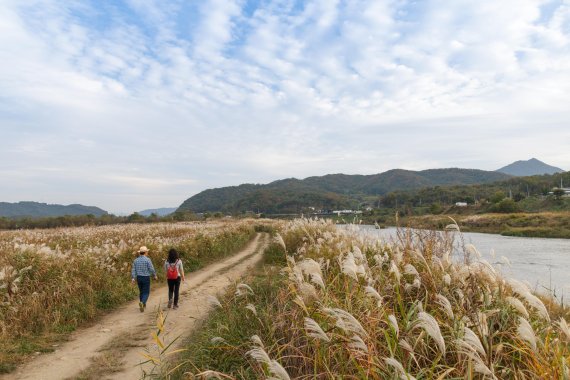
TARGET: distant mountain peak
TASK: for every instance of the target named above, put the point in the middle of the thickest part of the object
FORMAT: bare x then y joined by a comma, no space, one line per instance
158,211
529,167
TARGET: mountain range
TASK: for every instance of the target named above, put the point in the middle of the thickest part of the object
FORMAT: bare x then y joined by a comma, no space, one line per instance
38,210
331,191
338,191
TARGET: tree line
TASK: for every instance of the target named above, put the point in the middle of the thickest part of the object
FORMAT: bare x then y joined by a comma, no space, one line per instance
15,223
516,189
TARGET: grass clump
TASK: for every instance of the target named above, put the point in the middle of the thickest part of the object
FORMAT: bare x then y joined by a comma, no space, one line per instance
423,306
274,255
230,326
235,318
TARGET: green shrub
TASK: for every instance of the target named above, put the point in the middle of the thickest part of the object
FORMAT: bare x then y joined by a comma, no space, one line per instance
264,228
505,206
436,208
274,255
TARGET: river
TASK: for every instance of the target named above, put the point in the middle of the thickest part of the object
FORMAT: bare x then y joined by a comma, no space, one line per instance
542,263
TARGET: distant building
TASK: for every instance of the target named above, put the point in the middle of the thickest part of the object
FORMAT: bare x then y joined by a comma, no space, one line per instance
461,204
343,212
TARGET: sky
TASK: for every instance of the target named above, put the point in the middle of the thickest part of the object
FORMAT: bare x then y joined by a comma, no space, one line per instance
136,104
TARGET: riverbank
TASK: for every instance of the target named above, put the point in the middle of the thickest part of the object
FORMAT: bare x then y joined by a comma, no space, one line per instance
544,224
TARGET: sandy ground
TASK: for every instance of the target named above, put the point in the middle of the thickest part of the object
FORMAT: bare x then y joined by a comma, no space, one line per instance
113,347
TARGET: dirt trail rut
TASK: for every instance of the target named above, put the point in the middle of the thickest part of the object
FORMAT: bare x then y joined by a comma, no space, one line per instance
112,348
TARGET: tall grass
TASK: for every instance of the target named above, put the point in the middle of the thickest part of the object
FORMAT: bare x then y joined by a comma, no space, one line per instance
221,342
346,306
53,280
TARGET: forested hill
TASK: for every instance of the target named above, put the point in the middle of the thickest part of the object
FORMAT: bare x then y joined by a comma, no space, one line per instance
38,210
333,191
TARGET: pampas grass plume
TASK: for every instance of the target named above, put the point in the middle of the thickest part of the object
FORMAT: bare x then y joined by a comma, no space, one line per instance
442,301
314,330
564,328
473,340
217,340
399,369
394,323
317,280
518,305
411,270
358,344
394,269
280,241
431,327
278,371
259,355
257,340
370,291
526,332
213,301
251,308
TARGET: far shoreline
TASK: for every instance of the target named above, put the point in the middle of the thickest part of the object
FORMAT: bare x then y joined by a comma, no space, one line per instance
555,225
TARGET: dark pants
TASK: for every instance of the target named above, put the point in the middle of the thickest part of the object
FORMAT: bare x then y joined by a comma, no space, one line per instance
174,288
144,288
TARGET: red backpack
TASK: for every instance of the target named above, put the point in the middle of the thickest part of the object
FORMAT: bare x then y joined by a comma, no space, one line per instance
172,271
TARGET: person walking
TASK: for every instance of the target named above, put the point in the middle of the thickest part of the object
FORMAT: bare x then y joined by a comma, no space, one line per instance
174,274
141,272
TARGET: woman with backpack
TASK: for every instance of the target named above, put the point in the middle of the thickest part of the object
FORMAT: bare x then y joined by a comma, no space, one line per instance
174,274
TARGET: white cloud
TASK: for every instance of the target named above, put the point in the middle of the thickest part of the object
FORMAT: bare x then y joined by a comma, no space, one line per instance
216,28
151,94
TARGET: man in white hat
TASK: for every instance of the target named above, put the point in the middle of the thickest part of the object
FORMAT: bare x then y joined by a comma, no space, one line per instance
141,272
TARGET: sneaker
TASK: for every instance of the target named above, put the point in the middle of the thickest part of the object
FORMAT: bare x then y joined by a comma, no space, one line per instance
141,306
169,304
175,307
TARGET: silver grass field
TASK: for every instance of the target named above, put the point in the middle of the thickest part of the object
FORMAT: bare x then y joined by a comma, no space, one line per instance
341,305
53,280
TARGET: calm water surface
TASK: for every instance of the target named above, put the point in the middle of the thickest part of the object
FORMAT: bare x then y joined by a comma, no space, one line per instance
542,263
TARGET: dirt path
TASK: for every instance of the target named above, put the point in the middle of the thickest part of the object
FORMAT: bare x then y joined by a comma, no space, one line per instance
112,348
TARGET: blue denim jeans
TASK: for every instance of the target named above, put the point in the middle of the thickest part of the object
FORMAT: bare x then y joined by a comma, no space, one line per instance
144,288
